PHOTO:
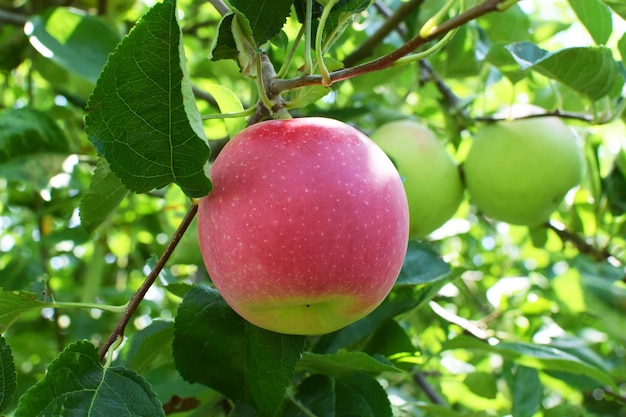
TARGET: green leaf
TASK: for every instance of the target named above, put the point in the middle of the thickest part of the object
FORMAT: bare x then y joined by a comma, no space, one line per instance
355,395
596,17
8,377
421,265
511,25
591,71
74,40
618,7
105,193
228,102
216,347
526,389
77,384
224,46
14,304
142,116
343,363
146,345
614,185
28,132
501,58
545,357
266,18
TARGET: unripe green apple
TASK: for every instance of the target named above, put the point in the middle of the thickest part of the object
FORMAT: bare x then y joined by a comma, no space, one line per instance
431,177
306,228
519,171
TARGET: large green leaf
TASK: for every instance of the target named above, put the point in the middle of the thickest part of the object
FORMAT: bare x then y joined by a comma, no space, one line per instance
77,384
591,71
76,41
142,116
8,376
105,193
596,17
216,347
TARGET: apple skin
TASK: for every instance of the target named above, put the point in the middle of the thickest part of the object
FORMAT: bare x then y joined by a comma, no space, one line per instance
306,228
519,171
432,178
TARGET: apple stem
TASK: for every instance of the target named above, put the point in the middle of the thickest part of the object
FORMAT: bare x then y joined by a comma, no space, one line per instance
133,303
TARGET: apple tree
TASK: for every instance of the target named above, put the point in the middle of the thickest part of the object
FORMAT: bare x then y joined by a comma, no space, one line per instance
499,289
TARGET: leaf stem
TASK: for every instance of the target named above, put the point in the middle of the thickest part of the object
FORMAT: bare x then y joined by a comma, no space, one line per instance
319,53
292,51
136,299
220,6
233,115
103,307
308,22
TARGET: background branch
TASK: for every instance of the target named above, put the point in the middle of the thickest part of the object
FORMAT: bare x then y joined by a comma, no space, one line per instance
579,242
431,393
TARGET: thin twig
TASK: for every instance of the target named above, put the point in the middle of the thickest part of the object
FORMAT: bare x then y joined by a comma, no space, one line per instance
136,299
366,48
554,113
220,6
431,393
13,18
386,61
580,243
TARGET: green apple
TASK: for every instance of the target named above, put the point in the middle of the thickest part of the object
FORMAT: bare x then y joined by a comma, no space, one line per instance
519,171
432,180
306,228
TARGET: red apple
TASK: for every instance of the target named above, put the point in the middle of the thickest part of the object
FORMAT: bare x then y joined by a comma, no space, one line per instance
307,226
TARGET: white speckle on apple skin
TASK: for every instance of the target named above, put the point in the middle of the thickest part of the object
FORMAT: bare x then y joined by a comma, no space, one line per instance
314,219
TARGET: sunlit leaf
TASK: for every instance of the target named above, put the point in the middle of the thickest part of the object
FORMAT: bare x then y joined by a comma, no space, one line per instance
228,103
596,17
591,71
105,193
75,40
618,7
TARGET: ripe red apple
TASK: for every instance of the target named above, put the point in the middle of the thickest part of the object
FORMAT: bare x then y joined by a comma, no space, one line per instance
431,177
306,228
